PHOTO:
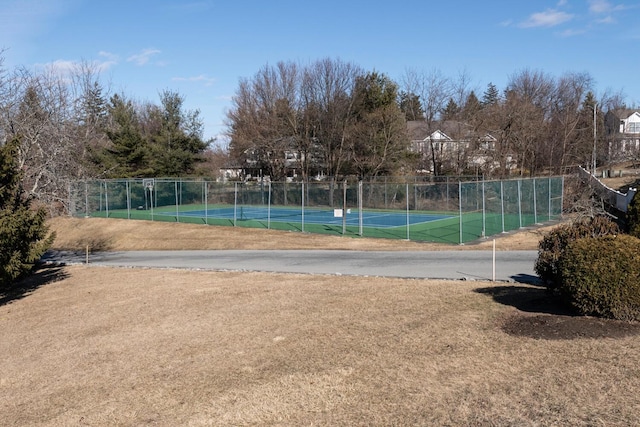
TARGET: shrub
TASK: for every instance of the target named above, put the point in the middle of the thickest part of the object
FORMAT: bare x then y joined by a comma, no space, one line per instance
553,244
601,276
23,233
633,216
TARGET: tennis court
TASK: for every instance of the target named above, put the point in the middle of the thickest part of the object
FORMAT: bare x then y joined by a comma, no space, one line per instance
376,219
445,212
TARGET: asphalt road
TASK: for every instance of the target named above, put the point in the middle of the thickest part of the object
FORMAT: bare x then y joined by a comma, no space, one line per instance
458,265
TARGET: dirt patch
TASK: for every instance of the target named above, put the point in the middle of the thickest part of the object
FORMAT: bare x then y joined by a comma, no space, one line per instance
539,315
555,327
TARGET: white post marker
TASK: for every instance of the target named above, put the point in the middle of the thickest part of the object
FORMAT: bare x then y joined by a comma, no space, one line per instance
493,277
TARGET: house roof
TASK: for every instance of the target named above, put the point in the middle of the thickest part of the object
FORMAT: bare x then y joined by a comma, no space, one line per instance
624,113
446,130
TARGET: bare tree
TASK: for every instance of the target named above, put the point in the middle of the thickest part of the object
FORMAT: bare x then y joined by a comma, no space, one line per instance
566,124
263,122
57,116
435,90
327,90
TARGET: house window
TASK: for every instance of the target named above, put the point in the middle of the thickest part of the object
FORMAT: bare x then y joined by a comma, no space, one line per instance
634,127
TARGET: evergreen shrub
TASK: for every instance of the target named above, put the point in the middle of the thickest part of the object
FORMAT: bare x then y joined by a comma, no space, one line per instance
23,232
633,216
601,276
551,247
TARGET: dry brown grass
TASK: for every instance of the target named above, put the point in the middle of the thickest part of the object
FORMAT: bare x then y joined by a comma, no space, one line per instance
100,346
120,234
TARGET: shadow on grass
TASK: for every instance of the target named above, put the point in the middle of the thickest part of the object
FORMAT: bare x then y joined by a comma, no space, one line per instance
42,276
544,317
528,299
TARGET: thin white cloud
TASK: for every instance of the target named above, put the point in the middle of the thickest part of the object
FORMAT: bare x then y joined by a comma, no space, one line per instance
548,18
61,66
607,20
143,57
604,7
208,81
65,68
572,33
108,56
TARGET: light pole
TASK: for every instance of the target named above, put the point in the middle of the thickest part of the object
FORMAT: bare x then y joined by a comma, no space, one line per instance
595,138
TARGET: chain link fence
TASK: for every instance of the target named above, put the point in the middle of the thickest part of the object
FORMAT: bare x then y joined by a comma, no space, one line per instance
446,211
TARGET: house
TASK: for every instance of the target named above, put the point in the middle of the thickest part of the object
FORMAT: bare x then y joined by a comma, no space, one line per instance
453,147
622,129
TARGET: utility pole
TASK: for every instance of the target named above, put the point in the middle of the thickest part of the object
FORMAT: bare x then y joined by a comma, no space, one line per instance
595,137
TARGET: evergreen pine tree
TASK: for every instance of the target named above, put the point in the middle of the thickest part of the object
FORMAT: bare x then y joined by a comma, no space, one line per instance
451,110
23,233
491,96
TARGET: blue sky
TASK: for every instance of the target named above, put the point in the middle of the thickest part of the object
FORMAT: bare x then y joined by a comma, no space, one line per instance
201,48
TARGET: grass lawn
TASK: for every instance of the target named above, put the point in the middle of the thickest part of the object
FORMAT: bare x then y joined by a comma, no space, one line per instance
85,345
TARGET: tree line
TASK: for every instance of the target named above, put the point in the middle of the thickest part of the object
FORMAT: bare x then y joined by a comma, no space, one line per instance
69,127
328,118
333,118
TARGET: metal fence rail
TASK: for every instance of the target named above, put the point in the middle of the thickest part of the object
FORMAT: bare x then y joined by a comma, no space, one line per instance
449,211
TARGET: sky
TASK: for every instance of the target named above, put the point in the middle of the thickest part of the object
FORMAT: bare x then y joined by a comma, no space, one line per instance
202,48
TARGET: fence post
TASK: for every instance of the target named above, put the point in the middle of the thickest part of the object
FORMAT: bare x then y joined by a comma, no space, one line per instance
549,191
344,207
126,183
561,196
484,211
269,208
535,203
235,203
360,207
151,199
460,207
520,203
206,202
106,198
502,203
302,199
407,198
175,191
86,199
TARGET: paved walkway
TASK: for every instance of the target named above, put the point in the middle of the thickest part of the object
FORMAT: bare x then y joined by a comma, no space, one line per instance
457,265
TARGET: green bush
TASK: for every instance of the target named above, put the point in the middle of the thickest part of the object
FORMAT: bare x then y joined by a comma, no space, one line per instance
633,216
601,276
23,232
553,244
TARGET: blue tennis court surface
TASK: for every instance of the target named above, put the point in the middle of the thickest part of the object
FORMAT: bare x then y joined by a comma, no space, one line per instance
378,219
